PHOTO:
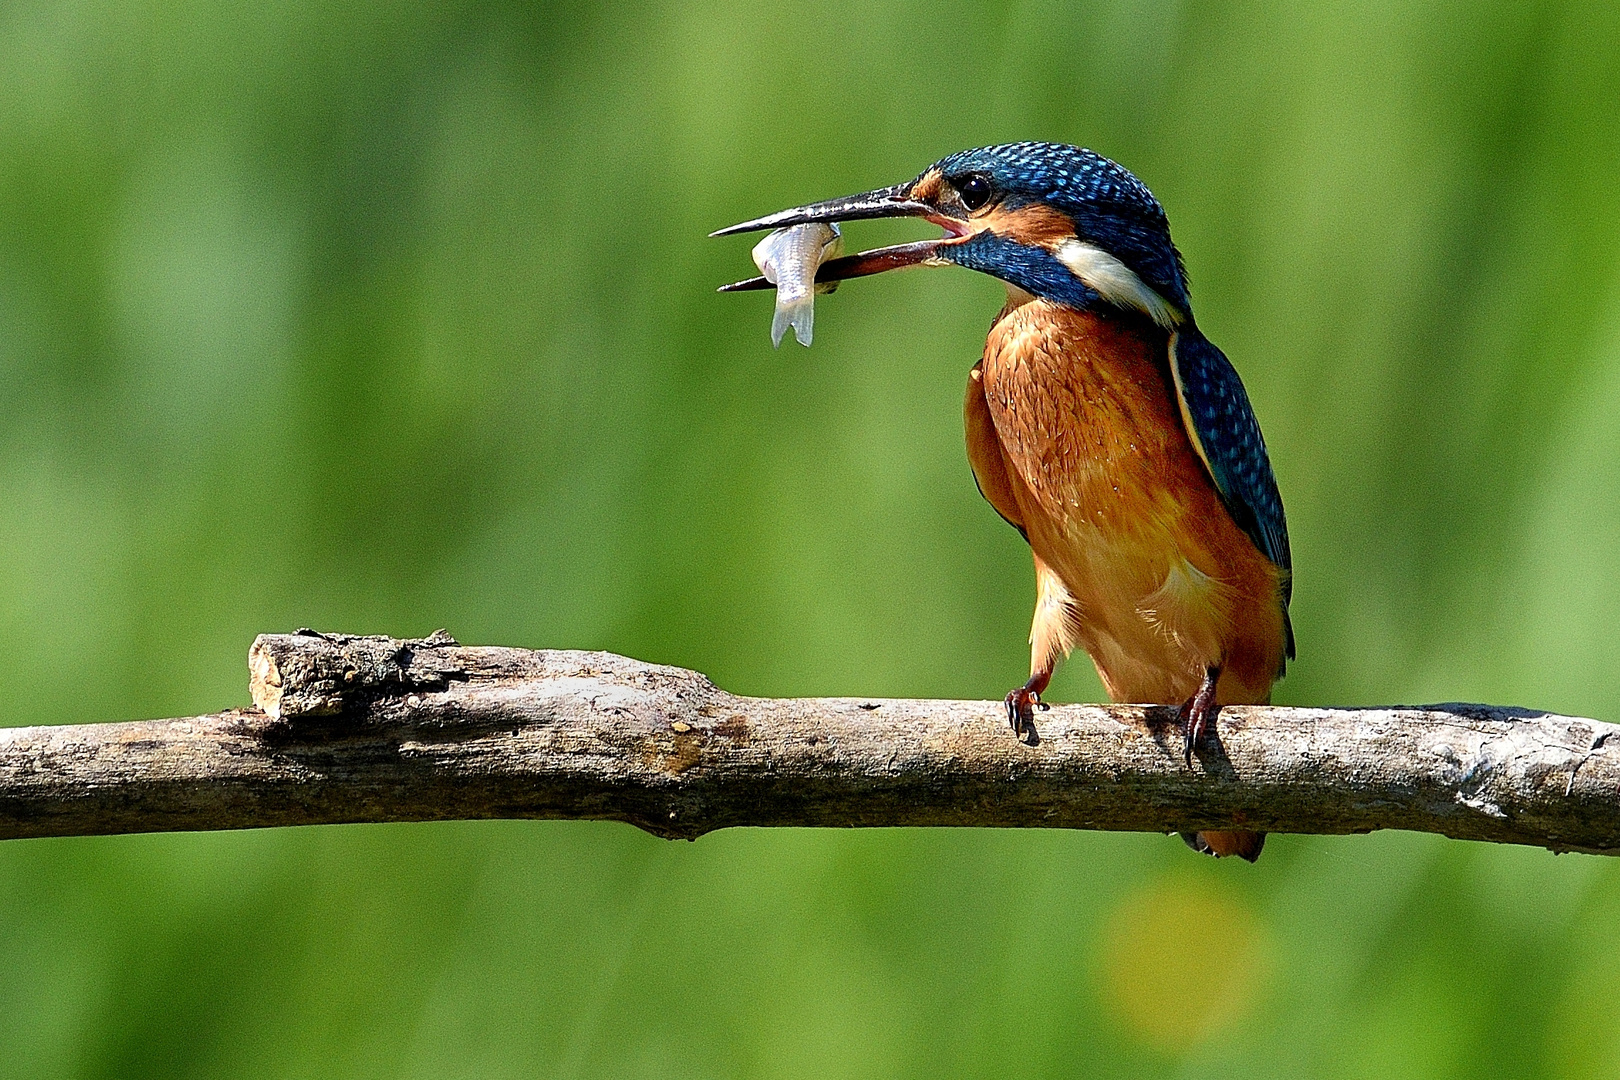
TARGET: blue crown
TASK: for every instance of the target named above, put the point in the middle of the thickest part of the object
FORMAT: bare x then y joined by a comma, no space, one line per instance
1109,206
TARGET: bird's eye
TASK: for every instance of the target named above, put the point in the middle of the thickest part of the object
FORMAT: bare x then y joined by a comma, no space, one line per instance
975,192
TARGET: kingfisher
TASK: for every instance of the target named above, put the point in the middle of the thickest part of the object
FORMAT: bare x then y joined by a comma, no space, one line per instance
1107,429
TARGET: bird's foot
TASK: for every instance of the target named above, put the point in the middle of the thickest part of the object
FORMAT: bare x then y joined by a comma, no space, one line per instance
1199,712
1021,706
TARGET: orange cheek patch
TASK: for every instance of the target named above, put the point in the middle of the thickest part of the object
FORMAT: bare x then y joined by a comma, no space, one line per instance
1036,225
928,188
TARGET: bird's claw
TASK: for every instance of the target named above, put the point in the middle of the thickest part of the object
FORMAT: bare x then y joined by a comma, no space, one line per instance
1021,706
1198,713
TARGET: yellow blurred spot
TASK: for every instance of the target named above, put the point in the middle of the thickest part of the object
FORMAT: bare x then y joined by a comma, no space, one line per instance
1182,960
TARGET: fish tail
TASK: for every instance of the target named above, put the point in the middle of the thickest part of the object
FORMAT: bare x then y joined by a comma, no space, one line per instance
799,313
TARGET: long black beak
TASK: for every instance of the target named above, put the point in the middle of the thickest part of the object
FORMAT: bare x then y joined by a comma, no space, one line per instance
884,202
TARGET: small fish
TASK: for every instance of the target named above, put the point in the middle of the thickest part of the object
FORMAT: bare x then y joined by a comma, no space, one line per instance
789,259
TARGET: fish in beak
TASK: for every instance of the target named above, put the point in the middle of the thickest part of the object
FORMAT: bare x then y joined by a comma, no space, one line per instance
889,202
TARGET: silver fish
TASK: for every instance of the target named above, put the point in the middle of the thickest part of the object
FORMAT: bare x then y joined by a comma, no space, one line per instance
789,259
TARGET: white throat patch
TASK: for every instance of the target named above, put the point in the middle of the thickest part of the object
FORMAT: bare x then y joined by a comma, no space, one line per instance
1115,282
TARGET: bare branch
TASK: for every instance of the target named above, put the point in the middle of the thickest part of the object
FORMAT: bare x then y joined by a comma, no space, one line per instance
375,729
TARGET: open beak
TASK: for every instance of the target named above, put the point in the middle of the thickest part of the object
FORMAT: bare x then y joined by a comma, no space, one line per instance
886,202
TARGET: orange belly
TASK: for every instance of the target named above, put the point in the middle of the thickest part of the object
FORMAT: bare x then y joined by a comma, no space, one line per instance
1076,437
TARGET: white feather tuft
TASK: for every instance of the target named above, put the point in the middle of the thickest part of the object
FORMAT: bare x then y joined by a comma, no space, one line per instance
1115,282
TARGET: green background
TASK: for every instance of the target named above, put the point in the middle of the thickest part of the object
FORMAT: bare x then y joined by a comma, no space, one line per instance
385,317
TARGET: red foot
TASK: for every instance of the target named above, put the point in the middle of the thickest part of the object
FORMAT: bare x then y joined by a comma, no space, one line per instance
1199,712
1021,706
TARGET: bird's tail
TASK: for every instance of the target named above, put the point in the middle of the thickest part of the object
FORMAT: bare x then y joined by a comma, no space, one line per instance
1220,844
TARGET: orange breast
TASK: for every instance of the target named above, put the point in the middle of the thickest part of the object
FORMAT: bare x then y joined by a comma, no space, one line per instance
1115,500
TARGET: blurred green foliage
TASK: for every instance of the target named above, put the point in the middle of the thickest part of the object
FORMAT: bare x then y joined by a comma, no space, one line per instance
382,317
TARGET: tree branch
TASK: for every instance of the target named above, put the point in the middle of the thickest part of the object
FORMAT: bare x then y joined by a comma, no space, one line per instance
353,729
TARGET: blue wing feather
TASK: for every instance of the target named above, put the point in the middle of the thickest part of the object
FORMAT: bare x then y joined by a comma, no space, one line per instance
1222,423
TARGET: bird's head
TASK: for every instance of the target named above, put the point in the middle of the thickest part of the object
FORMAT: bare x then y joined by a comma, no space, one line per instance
1054,221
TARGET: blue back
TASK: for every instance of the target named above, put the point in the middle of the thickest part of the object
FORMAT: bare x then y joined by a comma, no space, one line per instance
1229,435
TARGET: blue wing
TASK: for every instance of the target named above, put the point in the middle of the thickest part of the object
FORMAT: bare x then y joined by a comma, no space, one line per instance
1226,435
